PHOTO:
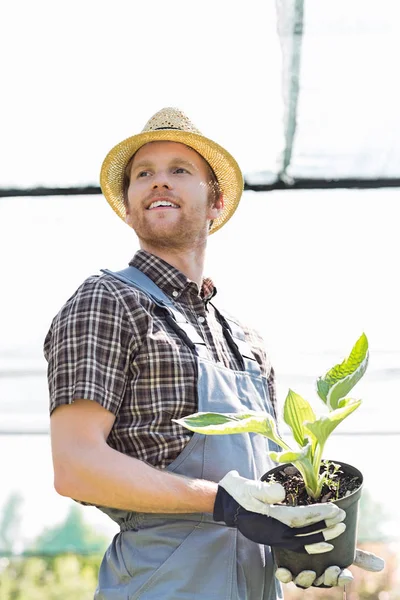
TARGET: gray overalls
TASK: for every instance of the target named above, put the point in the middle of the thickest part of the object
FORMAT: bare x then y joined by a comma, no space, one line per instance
188,556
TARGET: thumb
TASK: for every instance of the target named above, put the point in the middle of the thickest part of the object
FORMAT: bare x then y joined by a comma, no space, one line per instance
368,561
269,492
241,488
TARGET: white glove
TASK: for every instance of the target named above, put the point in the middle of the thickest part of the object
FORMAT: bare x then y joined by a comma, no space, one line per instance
260,497
333,576
252,494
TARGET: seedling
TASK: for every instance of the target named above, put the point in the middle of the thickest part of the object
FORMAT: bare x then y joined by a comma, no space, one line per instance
310,432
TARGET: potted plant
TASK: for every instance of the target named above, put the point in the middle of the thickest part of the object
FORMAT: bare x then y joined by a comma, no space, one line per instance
306,476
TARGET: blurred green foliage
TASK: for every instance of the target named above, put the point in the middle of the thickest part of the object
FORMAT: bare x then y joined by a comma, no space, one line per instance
10,523
72,535
62,563
67,577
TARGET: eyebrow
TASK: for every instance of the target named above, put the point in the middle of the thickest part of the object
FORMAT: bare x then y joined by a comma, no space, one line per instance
145,164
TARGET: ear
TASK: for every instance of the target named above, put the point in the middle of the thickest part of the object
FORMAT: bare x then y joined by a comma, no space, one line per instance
217,208
128,217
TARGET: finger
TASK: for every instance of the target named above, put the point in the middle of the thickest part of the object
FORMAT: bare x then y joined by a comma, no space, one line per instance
324,525
341,515
283,575
329,533
331,576
319,548
333,532
323,511
345,577
305,578
319,581
301,516
368,561
314,528
309,540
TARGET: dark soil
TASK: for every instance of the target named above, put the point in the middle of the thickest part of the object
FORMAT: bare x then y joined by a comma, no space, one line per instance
338,485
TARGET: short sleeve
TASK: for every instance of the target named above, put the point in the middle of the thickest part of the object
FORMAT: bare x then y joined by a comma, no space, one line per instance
89,348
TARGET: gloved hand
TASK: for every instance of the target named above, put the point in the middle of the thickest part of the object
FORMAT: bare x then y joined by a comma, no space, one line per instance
333,576
248,505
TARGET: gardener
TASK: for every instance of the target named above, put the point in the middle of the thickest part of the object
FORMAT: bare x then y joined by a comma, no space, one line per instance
129,352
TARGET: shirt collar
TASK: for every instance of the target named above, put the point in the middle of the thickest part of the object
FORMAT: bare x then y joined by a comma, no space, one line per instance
169,279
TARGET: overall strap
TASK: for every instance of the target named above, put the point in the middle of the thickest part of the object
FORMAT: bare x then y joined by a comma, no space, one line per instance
135,278
236,338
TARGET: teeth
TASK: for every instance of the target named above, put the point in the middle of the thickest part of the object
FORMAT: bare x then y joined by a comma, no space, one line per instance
162,203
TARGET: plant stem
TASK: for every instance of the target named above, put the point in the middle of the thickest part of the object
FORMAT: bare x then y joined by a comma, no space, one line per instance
316,468
311,482
317,458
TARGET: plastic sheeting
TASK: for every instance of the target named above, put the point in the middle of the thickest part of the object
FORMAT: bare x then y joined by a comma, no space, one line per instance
341,88
295,89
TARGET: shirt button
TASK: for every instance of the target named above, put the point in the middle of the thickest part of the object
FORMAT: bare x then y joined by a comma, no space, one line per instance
201,319
175,293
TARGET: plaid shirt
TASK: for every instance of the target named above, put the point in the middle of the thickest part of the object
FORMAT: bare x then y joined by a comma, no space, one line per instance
109,343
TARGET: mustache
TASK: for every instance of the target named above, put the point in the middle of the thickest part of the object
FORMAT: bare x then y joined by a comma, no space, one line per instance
154,195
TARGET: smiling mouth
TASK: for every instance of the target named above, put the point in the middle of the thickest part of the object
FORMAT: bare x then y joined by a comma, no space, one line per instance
162,204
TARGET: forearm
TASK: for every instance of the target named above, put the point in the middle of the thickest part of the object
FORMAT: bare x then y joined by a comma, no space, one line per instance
105,477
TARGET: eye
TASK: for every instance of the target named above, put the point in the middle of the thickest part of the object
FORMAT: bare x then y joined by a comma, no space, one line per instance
143,174
180,170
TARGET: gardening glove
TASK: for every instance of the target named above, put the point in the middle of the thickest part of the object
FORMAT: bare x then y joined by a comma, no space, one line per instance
248,505
333,576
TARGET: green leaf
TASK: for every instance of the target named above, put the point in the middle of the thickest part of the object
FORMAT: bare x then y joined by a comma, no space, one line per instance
339,380
342,388
322,389
295,412
288,456
323,427
210,423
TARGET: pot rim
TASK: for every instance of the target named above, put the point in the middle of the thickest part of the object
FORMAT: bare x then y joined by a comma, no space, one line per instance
340,462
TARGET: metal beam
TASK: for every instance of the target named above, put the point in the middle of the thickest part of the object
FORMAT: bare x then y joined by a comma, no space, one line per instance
295,184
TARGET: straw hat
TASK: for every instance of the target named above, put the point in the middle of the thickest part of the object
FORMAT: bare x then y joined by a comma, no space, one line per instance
171,124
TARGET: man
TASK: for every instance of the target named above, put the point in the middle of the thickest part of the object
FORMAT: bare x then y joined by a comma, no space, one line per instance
131,352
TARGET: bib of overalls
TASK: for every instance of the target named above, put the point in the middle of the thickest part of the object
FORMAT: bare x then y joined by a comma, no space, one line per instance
190,556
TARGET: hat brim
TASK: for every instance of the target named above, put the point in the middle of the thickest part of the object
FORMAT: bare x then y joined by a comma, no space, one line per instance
223,164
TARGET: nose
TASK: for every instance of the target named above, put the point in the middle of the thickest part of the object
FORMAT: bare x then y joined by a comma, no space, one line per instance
161,180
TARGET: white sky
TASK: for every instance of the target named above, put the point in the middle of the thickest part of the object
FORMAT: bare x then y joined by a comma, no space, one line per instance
82,76
310,269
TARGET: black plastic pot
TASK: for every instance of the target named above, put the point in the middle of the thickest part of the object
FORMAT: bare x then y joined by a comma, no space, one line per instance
344,550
